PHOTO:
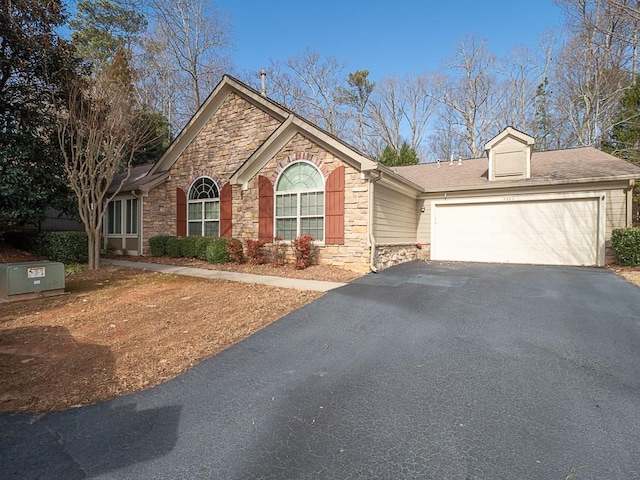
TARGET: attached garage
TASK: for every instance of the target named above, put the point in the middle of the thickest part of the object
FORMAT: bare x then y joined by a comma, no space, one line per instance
564,229
516,205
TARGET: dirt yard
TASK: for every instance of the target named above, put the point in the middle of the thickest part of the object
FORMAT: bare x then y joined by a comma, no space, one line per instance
122,330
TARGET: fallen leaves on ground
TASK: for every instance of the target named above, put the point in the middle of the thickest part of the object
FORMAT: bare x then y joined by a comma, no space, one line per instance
122,330
632,274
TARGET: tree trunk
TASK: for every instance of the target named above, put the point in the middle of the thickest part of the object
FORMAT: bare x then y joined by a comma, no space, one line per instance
93,241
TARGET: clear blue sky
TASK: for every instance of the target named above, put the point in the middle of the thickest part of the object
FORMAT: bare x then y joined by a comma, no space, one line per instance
383,37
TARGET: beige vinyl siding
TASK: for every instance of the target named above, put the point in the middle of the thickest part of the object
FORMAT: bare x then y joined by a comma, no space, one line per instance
394,217
510,158
616,211
509,144
424,221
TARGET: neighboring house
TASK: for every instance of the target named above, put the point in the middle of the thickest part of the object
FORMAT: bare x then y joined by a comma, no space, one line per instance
249,168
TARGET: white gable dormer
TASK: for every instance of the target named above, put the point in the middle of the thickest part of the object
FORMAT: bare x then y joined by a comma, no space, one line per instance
509,155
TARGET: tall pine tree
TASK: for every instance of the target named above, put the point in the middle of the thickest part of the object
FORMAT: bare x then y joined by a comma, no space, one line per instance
398,158
101,26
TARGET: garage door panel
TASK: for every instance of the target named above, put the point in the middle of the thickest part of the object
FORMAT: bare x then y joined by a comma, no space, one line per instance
556,232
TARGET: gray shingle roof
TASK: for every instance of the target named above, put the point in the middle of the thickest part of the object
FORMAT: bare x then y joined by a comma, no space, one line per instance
556,166
137,179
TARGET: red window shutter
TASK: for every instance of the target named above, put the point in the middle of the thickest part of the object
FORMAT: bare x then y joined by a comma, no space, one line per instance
265,209
225,211
334,208
181,213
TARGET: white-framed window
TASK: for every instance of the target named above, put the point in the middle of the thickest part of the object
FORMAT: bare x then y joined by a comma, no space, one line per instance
131,216
122,216
203,208
299,208
114,217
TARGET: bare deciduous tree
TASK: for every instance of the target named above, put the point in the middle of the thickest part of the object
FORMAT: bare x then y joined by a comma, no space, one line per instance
99,131
471,97
419,106
187,53
594,67
312,86
385,113
521,76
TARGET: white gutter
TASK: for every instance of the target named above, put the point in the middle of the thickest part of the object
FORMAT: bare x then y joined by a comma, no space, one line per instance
372,239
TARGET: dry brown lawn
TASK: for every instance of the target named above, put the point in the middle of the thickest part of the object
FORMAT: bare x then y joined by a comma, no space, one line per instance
121,330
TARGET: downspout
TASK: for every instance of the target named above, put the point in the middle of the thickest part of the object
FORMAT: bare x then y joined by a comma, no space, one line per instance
372,238
140,223
630,219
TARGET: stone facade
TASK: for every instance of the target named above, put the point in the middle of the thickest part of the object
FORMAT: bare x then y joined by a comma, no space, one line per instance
390,255
354,253
233,133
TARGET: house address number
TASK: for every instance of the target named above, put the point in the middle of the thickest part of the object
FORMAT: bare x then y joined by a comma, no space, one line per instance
508,199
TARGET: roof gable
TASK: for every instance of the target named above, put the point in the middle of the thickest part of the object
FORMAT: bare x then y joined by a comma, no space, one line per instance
290,127
509,132
291,124
210,106
509,155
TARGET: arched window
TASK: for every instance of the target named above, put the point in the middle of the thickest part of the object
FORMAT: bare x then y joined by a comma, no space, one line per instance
204,208
300,202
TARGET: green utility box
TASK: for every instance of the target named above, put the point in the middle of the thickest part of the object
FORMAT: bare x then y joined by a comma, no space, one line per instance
31,279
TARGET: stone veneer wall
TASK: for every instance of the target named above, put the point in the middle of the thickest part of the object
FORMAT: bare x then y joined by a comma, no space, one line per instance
354,254
229,138
235,131
390,255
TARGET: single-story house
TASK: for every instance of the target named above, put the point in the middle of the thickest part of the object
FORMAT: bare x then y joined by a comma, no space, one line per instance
247,167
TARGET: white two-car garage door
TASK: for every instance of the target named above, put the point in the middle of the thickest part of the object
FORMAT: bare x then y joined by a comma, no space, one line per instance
538,230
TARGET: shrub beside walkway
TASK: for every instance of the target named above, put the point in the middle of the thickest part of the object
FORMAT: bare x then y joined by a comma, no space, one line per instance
295,283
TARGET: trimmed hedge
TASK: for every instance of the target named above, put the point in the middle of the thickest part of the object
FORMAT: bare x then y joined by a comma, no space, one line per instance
626,245
158,245
173,247
188,246
201,246
217,251
65,247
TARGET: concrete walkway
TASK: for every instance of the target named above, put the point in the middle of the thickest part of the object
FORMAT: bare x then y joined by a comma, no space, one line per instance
296,283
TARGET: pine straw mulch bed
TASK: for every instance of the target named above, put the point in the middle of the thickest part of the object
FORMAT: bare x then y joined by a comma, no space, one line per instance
122,330
314,272
632,274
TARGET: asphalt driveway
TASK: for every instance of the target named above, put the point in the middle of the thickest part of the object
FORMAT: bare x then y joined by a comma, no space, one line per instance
421,371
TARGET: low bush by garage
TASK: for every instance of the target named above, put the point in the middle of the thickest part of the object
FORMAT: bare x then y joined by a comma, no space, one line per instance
626,245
